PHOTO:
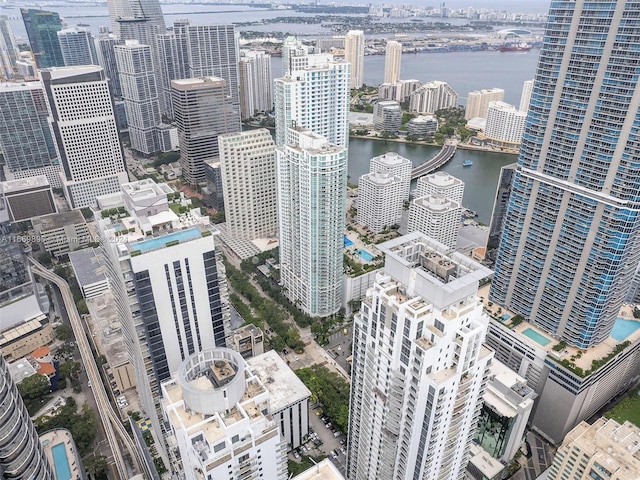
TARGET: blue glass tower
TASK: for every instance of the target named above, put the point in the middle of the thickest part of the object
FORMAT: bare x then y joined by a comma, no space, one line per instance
570,242
42,30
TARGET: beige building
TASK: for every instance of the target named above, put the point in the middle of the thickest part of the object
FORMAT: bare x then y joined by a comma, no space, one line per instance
354,54
392,59
62,233
604,450
478,102
248,341
25,337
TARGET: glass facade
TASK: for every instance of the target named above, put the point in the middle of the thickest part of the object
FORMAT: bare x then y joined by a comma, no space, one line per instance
42,30
568,248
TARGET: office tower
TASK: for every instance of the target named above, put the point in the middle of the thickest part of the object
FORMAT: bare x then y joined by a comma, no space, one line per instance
140,94
393,56
216,409
354,54
422,126
248,166
21,455
26,141
441,183
380,200
478,102
84,126
419,367
311,189
525,98
202,112
213,192
142,11
605,449
27,198
297,99
436,216
572,205
397,166
171,280
77,46
9,52
503,192
107,59
387,116
433,96
255,83
42,30
505,125
172,63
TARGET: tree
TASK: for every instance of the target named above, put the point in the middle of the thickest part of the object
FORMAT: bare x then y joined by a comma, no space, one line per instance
35,386
82,307
166,158
45,259
64,332
70,370
96,466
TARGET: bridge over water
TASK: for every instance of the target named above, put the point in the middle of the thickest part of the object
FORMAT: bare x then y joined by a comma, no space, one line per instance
439,159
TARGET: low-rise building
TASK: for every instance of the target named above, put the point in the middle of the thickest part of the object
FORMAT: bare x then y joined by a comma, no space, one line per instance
422,126
324,470
25,337
88,268
62,453
62,233
387,116
27,198
248,341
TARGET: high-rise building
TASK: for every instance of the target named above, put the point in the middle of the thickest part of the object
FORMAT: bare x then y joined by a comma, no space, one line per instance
573,201
387,116
248,165
605,449
105,44
147,11
503,192
380,200
441,183
84,126
42,30
478,102
293,51
26,141
392,59
397,166
316,97
9,52
140,94
255,83
172,62
437,217
354,54
399,91
419,366
216,409
311,189
171,279
78,47
525,98
202,112
433,96
21,455
505,124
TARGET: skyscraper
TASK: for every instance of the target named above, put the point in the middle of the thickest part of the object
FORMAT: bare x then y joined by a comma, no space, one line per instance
525,98
26,141
436,216
8,49
315,96
105,44
569,246
255,83
392,59
42,30
311,189
21,455
85,130
380,200
478,102
78,47
202,112
354,54
419,366
147,11
433,96
140,94
248,165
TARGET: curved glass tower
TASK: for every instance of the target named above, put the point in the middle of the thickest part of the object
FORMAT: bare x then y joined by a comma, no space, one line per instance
570,240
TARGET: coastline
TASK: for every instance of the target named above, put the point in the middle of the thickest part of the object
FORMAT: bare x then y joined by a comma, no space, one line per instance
461,146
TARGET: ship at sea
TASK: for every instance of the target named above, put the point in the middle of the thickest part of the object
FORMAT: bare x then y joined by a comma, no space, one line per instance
515,47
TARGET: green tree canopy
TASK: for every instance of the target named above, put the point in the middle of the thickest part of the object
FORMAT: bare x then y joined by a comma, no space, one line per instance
35,386
64,332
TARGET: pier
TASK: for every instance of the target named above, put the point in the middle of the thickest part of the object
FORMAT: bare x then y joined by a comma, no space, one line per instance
439,159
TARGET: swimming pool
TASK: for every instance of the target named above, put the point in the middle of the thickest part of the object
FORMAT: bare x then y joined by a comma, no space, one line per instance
366,256
153,243
347,242
536,337
623,328
61,462
505,317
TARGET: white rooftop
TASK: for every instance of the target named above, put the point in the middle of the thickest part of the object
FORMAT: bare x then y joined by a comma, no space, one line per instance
284,386
324,470
24,183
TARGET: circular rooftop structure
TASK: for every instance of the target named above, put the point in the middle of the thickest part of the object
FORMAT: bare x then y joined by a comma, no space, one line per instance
212,380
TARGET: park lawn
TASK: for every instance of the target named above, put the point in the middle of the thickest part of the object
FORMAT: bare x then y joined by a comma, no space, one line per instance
627,409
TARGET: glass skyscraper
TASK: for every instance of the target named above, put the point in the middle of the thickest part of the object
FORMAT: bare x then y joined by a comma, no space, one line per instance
42,30
570,242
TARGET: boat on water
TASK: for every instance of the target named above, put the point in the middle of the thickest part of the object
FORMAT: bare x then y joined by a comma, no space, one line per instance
467,163
515,47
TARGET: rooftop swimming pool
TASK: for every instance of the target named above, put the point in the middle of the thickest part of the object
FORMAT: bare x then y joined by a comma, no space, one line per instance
505,317
366,256
623,328
347,242
536,337
61,462
154,243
